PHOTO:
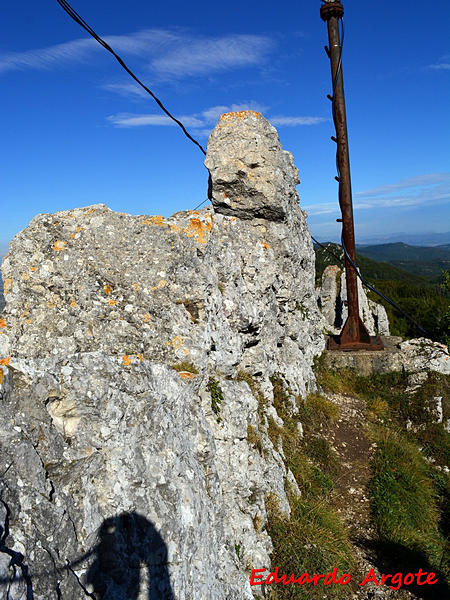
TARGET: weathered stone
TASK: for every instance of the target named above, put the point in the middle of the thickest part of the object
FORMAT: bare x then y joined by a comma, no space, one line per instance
332,297
100,438
414,356
253,177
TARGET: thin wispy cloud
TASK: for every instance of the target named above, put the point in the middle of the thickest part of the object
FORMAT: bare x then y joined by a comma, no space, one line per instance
295,121
166,53
203,122
198,57
411,182
443,64
422,190
141,43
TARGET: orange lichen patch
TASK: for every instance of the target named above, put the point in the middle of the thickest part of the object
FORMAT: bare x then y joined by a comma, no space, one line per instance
186,375
233,219
186,351
175,228
177,341
147,317
33,269
194,212
158,220
226,117
3,323
89,212
5,361
135,286
197,231
28,321
107,289
25,276
1,376
72,235
146,221
126,360
73,303
59,245
50,305
266,246
113,302
161,284
140,357
55,222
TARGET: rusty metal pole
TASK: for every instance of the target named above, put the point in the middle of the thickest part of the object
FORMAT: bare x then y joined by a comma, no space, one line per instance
354,334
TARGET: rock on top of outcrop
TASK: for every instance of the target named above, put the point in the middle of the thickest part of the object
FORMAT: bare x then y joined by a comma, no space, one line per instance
252,175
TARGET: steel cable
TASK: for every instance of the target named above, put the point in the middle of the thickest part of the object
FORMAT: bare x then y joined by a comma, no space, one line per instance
78,19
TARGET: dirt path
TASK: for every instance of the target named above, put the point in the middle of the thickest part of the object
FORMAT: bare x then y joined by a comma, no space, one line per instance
349,438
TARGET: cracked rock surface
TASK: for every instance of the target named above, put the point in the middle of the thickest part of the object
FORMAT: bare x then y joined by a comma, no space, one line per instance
121,477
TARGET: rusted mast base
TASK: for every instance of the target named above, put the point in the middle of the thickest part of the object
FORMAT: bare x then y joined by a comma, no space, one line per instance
354,334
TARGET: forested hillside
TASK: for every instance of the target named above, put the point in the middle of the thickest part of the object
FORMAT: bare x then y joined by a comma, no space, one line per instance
427,301
424,261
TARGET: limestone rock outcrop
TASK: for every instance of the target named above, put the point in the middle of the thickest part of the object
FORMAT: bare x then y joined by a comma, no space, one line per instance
332,296
135,357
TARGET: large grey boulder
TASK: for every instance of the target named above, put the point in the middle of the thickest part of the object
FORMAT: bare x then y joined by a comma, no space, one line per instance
115,466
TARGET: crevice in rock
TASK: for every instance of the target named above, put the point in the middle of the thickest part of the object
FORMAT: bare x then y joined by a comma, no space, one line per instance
17,559
57,587
85,590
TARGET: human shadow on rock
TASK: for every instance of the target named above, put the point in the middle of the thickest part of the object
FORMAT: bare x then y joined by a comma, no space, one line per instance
130,556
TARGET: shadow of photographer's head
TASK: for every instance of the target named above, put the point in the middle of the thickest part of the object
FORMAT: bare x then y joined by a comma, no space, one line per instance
130,561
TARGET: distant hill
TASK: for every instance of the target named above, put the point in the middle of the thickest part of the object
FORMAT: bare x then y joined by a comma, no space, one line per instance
424,261
415,239
370,268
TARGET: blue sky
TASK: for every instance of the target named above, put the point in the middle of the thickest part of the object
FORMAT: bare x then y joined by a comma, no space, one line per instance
76,130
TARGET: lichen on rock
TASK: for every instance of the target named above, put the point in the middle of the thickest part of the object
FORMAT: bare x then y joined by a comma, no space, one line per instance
99,433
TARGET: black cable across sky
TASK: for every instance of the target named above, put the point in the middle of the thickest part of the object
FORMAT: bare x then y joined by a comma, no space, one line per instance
78,19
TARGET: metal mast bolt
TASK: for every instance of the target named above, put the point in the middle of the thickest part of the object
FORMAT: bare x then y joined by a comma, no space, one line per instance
354,334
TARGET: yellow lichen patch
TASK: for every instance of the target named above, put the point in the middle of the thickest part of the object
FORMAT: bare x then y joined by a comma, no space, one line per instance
186,375
177,341
89,212
50,305
28,321
135,286
140,357
33,269
158,220
107,289
228,117
73,304
186,351
175,228
146,221
147,317
25,276
126,360
113,302
1,376
79,229
266,246
72,235
55,222
59,245
3,323
5,361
